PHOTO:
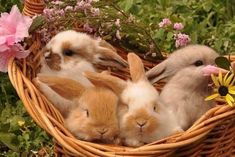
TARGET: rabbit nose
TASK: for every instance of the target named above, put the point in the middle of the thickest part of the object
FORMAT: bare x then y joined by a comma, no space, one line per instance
102,131
141,123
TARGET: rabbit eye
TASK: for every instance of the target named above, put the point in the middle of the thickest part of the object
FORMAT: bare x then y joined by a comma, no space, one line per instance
87,113
68,52
198,63
154,108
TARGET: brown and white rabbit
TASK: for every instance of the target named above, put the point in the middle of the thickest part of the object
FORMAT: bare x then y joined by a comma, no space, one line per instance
141,118
70,53
192,55
93,113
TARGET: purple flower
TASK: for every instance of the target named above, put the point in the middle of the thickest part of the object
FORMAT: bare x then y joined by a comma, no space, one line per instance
117,22
95,11
87,28
181,40
118,35
178,26
57,2
68,8
165,22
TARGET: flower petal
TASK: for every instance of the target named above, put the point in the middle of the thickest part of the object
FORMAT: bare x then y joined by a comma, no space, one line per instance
225,77
214,80
229,99
228,81
231,91
220,78
213,96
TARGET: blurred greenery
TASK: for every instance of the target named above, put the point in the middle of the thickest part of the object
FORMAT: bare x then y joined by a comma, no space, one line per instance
209,22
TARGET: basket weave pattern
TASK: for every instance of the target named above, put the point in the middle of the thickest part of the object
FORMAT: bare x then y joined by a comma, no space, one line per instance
212,135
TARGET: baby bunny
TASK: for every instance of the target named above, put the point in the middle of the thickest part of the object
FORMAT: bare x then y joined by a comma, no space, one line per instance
69,53
93,115
141,119
192,55
185,93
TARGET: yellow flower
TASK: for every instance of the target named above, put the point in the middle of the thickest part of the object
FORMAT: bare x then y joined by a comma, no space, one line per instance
224,88
21,123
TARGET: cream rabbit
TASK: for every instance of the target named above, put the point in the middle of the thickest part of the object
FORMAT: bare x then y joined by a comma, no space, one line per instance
142,119
93,113
192,55
69,53
185,93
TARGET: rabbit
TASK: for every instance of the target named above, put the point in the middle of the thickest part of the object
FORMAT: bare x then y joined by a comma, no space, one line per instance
141,118
93,113
191,55
69,53
184,94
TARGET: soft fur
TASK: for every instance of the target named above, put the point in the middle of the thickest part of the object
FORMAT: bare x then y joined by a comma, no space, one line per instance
86,52
92,114
187,87
139,106
180,59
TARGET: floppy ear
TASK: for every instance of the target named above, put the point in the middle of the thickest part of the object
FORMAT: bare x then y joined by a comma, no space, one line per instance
108,56
67,88
158,72
136,67
116,84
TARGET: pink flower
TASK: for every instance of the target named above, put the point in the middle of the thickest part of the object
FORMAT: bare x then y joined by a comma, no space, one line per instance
87,28
95,11
178,26
57,2
117,22
210,69
181,40
13,28
118,35
68,8
13,51
165,22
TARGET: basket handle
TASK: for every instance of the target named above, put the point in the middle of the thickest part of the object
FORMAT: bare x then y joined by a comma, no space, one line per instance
33,7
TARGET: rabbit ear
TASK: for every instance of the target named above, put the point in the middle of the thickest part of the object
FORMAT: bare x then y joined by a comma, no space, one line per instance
107,56
116,84
158,72
67,88
136,68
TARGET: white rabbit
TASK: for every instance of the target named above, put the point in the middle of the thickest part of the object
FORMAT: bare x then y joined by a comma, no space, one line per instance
142,119
192,55
185,93
92,116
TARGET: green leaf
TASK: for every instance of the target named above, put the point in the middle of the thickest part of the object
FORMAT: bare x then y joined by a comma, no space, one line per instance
37,22
222,62
7,139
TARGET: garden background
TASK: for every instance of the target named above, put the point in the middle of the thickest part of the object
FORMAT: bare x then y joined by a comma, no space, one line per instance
209,22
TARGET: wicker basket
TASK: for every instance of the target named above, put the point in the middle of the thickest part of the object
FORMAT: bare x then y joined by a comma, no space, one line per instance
212,135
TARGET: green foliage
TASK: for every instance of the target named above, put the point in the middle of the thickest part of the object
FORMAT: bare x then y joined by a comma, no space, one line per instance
209,22
223,62
5,5
19,135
